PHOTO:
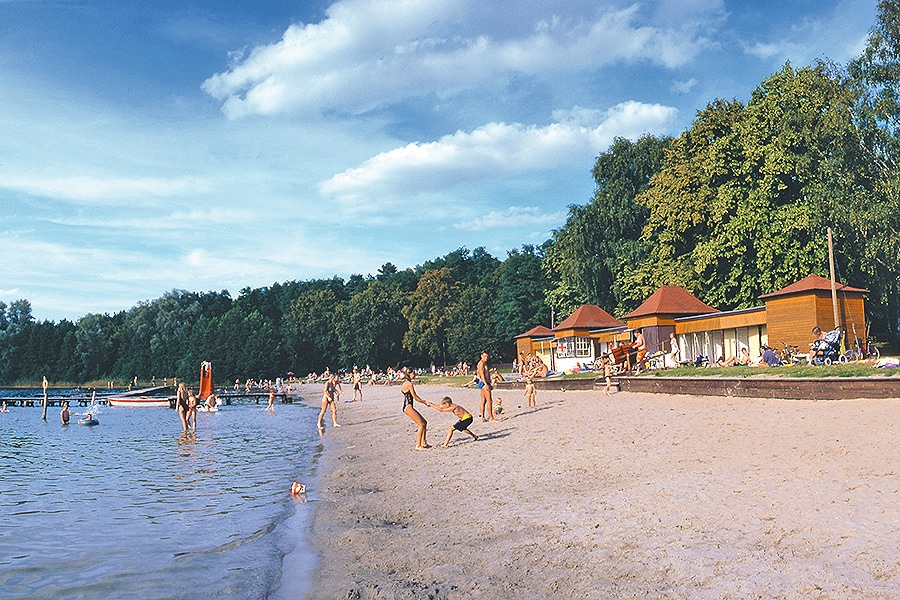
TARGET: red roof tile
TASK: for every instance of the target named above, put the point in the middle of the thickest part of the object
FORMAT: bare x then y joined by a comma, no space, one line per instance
589,316
539,331
812,283
671,300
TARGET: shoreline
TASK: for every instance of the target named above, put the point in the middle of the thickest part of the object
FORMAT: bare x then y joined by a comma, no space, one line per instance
588,496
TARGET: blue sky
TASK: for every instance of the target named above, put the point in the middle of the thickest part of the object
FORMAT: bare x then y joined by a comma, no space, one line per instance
151,146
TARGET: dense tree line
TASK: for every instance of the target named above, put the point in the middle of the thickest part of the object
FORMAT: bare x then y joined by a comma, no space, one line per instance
735,207
446,310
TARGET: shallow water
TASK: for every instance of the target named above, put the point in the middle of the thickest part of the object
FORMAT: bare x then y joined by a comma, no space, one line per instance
134,508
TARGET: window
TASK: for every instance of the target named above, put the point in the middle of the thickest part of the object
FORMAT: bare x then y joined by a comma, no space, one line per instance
583,347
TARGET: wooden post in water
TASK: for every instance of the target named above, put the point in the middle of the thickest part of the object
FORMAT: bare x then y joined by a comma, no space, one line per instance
45,385
834,302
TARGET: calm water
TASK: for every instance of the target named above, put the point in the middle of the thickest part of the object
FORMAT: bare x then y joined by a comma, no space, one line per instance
133,508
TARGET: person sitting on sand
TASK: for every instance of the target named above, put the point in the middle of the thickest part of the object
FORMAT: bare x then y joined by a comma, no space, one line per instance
63,414
465,418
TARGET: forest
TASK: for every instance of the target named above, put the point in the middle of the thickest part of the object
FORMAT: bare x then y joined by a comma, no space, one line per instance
735,207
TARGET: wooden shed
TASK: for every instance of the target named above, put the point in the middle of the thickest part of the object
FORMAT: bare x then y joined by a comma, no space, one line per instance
793,311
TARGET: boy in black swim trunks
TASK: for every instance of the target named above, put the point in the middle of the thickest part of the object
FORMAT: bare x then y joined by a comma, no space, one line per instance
465,417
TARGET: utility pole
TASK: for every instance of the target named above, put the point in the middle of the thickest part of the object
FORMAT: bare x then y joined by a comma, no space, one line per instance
834,302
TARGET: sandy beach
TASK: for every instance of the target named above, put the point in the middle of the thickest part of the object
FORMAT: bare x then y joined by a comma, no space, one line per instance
628,496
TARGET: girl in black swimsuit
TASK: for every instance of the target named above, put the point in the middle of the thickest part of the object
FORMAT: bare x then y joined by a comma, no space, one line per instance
409,396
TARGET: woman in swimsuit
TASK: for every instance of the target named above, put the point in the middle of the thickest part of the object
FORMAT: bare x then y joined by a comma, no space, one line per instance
332,384
181,405
409,396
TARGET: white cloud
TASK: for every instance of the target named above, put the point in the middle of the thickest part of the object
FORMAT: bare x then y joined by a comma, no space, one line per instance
371,53
514,215
684,87
93,189
493,151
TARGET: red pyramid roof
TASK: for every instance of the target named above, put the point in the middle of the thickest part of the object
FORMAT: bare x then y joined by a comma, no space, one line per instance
671,300
812,283
539,331
589,316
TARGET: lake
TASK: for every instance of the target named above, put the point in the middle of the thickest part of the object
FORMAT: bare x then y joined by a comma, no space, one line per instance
135,508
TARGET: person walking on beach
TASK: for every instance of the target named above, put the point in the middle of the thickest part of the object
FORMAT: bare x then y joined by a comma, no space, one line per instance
329,399
483,370
181,405
409,396
465,418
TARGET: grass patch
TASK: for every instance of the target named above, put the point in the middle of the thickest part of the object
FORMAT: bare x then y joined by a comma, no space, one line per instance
848,370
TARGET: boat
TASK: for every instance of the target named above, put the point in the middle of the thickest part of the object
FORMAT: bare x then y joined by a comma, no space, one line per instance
147,397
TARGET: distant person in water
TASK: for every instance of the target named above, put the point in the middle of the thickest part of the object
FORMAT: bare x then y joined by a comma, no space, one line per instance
63,414
181,405
3,408
192,411
271,406
212,402
465,418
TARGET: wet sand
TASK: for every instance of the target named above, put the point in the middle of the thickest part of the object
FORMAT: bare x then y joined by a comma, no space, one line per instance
628,496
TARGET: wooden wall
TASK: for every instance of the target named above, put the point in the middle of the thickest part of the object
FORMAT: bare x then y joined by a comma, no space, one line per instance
791,318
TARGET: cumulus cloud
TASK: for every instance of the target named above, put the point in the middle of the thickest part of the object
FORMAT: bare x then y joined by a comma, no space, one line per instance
372,53
493,151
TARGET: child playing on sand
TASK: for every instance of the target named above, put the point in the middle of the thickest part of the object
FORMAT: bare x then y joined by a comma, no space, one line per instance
465,418
530,392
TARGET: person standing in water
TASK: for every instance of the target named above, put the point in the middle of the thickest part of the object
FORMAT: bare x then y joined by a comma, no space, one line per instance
483,371
409,397
64,413
181,405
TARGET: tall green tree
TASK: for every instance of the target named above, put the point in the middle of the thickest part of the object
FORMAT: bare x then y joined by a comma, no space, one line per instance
428,314
520,290
741,206
370,327
469,330
876,76
588,257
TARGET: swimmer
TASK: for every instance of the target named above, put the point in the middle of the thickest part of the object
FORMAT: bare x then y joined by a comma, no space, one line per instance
465,418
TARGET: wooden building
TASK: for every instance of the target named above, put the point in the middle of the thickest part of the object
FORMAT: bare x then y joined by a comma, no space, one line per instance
793,311
787,317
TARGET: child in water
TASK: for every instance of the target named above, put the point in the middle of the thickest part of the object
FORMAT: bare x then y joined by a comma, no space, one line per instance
465,417
64,413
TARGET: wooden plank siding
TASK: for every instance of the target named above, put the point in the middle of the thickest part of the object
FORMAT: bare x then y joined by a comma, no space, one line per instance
719,321
791,318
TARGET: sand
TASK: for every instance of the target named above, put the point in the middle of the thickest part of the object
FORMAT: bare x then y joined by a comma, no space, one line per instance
628,496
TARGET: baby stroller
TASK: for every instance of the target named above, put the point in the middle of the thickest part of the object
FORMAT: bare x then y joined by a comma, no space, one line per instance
828,349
